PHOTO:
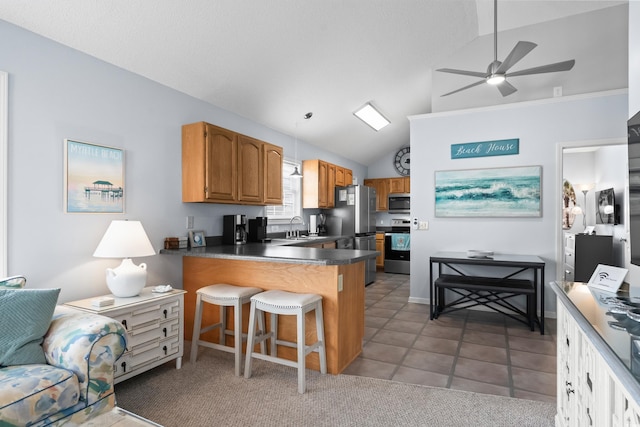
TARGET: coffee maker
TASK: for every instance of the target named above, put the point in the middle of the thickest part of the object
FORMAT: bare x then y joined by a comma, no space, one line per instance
234,230
322,225
258,229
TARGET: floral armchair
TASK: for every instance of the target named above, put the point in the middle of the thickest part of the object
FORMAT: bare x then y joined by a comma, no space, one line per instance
76,382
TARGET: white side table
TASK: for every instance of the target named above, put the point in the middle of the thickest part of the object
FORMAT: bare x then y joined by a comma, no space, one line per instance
154,324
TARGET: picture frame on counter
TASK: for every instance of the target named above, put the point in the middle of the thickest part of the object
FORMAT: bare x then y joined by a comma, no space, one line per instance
197,239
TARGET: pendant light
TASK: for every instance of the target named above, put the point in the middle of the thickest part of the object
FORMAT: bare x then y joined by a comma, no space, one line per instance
296,173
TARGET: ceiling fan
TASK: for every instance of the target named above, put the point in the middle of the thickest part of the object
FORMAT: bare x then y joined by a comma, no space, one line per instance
497,72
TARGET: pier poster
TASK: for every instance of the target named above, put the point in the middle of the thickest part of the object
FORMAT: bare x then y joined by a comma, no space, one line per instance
94,178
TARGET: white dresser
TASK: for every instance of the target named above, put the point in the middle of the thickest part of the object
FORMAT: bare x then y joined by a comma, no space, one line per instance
598,361
154,324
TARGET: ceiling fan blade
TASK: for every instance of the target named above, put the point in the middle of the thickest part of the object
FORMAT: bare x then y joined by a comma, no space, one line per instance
549,68
520,50
463,72
506,88
466,87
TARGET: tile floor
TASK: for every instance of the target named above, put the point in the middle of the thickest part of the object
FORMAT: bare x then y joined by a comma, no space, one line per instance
468,350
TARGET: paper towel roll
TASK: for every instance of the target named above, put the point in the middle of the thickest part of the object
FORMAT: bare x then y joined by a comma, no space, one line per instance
313,228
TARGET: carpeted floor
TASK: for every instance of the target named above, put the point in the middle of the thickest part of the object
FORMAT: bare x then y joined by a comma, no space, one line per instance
208,394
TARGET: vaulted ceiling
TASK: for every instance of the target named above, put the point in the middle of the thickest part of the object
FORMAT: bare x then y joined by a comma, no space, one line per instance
274,61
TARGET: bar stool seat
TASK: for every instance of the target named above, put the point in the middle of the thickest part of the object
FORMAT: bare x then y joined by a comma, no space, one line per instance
223,295
286,303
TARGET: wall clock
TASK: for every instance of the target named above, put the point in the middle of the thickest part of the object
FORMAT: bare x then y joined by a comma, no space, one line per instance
401,161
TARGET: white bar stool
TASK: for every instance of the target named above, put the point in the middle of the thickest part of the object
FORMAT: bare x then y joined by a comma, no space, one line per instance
225,296
286,303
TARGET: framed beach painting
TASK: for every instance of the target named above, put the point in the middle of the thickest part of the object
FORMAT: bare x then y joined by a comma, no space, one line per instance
498,192
93,178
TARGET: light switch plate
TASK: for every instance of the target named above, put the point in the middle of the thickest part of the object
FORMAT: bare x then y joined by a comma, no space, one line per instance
424,225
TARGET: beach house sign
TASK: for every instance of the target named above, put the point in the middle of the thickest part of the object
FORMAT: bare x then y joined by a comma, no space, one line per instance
501,147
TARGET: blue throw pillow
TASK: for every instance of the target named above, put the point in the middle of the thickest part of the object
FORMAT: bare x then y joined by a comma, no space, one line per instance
25,315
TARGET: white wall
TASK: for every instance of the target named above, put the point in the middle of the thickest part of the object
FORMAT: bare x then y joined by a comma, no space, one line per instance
384,168
611,172
540,126
592,39
55,93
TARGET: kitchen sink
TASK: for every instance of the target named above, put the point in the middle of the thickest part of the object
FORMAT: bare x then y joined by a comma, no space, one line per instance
291,240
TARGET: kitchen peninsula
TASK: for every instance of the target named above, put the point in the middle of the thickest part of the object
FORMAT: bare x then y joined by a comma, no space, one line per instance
335,274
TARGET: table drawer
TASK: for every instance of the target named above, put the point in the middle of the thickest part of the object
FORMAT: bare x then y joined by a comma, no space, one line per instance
171,310
144,333
569,273
170,328
146,354
143,315
570,258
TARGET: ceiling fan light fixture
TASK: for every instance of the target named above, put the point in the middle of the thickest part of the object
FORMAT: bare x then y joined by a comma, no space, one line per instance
371,116
496,79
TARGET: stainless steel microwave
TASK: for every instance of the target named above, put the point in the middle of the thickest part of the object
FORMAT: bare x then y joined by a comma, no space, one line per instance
399,203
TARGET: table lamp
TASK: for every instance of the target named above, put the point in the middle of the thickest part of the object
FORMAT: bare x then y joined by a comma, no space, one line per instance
125,239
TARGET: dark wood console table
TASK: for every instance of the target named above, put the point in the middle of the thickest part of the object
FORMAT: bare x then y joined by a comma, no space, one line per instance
492,291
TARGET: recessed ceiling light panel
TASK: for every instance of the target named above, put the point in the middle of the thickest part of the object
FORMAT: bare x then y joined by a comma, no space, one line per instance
371,116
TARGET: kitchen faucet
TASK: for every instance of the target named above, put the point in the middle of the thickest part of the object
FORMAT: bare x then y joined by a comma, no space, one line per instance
290,233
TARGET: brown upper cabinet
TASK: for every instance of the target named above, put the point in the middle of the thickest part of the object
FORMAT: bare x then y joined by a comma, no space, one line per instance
382,192
273,160
319,180
386,186
222,166
399,185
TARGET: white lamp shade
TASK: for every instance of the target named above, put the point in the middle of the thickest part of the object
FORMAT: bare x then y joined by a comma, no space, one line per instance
124,239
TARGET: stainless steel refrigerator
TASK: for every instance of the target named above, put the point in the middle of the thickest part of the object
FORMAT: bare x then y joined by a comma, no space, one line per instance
356,206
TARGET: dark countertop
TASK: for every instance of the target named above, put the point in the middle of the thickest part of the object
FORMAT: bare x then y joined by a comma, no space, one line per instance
592,312
282,252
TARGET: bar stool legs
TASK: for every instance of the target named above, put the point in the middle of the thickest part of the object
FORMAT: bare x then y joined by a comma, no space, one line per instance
286,303
224,296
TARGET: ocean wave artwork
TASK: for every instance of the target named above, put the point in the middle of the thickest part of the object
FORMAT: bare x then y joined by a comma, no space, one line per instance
498,192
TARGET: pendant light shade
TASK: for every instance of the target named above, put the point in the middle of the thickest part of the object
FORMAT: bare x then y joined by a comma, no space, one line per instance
296,173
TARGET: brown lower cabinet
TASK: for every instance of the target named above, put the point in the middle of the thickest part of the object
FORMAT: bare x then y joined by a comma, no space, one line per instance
380,248
343,309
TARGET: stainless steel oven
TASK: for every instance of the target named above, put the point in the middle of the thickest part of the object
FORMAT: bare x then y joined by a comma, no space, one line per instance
397,247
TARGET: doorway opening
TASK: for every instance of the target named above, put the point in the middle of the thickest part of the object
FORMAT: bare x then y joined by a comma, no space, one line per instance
584,168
